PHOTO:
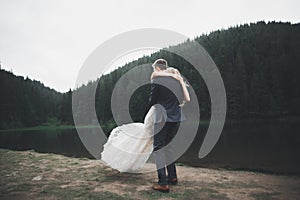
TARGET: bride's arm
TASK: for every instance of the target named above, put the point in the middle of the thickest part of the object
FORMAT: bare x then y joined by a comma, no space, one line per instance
186,93
156,74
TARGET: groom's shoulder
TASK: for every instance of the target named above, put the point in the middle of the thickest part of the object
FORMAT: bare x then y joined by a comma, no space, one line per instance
166,81
163,79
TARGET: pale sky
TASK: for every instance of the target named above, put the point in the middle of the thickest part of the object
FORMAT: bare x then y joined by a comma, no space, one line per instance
48,40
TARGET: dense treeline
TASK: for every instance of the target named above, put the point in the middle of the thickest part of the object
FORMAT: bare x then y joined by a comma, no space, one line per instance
26,102
260,68
259,64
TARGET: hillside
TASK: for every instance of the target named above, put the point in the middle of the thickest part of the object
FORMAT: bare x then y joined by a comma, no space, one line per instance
31,175
25,102
259,64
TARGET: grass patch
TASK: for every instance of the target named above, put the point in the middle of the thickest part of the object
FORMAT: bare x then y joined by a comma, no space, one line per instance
110,195
151,194
235,184
212,194
40,128
22,187
80,192
265,196
187,194
47,127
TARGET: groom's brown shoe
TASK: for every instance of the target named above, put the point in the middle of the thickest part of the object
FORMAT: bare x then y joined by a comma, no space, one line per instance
173,181
161,188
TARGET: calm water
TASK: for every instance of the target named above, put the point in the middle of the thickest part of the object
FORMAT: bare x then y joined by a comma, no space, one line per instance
269,145
66,142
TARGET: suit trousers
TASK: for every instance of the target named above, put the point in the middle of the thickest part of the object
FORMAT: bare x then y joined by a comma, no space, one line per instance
163,134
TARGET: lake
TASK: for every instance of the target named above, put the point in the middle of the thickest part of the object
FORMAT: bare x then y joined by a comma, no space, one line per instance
260,145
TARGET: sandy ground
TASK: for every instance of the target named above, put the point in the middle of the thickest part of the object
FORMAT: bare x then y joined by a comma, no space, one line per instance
31,175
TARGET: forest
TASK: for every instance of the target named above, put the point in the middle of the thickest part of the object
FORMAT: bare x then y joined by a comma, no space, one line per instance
259,63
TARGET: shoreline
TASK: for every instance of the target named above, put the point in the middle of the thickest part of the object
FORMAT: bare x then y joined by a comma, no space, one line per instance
31,175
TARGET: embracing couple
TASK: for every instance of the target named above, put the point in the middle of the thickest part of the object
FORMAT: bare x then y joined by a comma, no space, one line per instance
129,146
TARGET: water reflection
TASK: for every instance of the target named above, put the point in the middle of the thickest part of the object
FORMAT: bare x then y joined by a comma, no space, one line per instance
265,145
66,142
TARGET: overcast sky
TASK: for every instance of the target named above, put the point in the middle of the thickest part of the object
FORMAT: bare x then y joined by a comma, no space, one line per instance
48,40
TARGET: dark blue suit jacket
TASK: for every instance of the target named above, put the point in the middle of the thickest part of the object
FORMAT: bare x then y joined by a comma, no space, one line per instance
167,92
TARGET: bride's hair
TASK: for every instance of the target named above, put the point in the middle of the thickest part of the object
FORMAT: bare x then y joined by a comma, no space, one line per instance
173,70
176,71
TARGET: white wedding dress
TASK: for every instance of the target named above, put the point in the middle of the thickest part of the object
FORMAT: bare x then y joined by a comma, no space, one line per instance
129,146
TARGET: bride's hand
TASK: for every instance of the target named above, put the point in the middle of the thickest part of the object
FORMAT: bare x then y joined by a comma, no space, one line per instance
177,77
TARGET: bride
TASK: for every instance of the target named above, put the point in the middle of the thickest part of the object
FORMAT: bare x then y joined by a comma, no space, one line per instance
129,146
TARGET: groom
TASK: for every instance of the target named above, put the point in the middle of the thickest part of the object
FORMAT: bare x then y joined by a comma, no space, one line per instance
166,93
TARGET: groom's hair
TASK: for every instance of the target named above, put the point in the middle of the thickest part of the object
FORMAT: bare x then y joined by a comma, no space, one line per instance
160,63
